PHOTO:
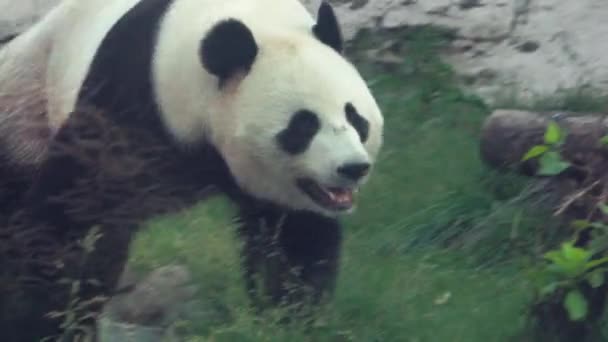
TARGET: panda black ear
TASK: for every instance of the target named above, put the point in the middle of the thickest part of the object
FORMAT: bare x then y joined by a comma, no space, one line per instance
228,48
327,29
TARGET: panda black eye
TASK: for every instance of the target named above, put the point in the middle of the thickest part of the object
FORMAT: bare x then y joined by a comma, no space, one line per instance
360,124
298,134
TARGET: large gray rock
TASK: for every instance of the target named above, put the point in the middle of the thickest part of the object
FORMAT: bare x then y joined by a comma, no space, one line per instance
524,48
156,300
17,15
153,304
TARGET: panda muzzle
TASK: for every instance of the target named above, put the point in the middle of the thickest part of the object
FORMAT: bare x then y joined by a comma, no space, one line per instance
332,198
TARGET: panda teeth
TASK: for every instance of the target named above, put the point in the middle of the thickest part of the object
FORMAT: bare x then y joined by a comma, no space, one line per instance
332,195
340,195
344,198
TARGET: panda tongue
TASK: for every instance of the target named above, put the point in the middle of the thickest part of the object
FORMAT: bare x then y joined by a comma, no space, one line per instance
340,196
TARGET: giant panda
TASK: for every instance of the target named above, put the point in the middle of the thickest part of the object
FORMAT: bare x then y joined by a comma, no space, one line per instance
251,98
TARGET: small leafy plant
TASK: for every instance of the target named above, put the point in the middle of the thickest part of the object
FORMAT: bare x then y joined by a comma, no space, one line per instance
567,268
76,312
570,294
549,158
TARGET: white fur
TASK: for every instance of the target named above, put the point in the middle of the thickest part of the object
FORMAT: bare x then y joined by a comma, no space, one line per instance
23,102
292,71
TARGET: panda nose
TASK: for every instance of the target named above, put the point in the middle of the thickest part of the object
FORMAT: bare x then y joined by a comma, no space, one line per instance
354,171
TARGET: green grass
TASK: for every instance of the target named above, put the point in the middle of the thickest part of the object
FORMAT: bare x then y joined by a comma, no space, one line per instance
406,274
383,294
581,99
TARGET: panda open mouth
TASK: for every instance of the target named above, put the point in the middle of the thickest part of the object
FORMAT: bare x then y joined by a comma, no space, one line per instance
332,198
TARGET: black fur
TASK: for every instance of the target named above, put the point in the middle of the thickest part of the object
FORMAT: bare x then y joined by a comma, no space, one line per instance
300,247
8,38
327,28
298,134
14,181
357,121
354,171
119,79
117,180
228,48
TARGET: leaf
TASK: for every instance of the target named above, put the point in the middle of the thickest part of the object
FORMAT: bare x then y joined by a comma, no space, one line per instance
580,224
442,299
553,134
596,279
549,289
604,208
554,256
535,151
593,263
599,243
575,253
551,164
556,269
576,305
565,268
599,226
604,140
568,261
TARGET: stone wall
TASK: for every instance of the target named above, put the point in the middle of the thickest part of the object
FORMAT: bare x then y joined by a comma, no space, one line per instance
17,15
532,47
526,47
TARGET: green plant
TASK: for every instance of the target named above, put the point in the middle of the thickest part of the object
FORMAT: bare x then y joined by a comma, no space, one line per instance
571,288
567,268
549,158
72,316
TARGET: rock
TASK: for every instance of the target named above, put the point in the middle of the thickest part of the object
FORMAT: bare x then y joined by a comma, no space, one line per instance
534,48
468,4
438,7
396,17
528,46
488,23
154,301
16,16
462,45
507,135
567,44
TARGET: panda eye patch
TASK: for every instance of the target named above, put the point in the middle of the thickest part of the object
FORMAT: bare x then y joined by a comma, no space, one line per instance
360,124
298,134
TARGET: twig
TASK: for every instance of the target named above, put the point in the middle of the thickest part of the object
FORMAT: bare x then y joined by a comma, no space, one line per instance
575,197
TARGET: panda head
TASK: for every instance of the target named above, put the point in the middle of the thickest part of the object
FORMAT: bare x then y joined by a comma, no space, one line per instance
293,119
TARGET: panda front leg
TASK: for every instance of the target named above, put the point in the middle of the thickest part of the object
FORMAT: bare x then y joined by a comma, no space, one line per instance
290,258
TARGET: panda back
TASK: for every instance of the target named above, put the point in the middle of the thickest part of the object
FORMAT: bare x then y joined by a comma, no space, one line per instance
98,49
118,52
80,35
